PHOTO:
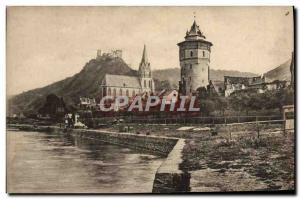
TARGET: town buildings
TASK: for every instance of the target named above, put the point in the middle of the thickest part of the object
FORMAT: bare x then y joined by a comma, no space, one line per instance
233,84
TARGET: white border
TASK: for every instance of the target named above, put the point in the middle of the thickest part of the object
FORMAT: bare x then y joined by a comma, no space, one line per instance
3,5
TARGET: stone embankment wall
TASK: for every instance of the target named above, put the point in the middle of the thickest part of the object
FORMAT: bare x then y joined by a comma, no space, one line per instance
156,144
168,178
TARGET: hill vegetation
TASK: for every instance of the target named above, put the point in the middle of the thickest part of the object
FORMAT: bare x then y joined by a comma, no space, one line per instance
281,72
86,83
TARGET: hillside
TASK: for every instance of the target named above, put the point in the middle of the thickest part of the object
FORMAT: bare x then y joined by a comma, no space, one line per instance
281,72
86,83
173,75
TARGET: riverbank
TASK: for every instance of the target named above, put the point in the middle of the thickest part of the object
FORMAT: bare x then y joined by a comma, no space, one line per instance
160,145
235,157
243,163
168,147
243,157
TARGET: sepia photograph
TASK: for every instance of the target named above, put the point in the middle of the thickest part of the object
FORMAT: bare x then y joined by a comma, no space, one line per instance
150,99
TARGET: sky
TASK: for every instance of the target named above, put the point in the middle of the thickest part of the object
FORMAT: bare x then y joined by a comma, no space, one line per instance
48,44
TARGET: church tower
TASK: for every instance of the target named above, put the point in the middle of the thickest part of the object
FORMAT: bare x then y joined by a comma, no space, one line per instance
194,57
145,75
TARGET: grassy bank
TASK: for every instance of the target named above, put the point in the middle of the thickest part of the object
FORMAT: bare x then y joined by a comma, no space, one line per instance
245,163
238,158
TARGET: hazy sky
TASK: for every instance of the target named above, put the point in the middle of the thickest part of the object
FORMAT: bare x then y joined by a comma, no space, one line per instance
47,44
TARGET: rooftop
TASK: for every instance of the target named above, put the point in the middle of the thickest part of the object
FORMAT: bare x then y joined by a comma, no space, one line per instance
121,81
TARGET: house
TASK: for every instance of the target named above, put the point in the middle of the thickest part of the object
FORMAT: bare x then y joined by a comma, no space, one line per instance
233,84
86,103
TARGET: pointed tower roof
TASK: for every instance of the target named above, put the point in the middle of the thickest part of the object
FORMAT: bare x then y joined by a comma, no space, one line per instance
144,57
195,31
144,68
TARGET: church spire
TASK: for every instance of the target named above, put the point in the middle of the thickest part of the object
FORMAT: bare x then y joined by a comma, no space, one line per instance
144,57
144,69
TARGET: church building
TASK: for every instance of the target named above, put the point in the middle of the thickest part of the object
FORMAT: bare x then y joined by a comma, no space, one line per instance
122,85
194,57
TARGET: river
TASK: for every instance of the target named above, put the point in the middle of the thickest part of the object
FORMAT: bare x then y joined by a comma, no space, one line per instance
57,163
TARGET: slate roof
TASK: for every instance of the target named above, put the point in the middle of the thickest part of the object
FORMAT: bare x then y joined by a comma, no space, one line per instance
121,81
195,30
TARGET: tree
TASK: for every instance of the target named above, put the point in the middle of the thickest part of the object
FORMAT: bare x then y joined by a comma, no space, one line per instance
202,93
235,102
161,85
54,106
221,104
206,106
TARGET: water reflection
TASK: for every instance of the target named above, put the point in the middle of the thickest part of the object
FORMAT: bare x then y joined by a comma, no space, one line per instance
59,163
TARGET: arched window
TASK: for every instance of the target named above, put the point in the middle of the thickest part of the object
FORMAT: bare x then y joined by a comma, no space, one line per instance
149,83
109,91
114,92
191,53
203,53
145,83
121,92
127,93
191,66
133,93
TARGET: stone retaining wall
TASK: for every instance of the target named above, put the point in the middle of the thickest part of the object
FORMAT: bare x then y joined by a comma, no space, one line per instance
156,144
168,178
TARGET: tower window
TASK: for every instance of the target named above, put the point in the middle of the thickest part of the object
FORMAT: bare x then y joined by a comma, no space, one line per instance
114,92
190,78
149,83
191,53
203,53
109,91
121,92
145,83
191,66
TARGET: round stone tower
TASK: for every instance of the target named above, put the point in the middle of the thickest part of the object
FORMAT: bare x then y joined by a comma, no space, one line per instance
194,57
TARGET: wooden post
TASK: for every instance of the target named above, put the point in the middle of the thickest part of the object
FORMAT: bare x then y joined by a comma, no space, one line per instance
257,127
284,127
